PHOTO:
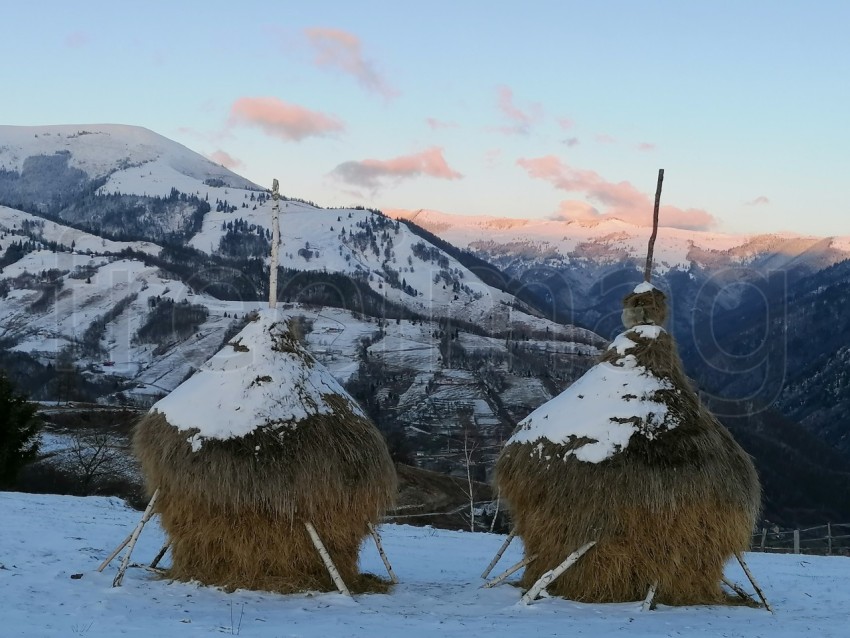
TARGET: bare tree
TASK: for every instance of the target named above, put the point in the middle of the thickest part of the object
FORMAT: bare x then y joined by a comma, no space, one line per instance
470,445
94,457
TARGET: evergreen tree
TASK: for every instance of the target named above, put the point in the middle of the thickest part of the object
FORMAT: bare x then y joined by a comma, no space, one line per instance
18,432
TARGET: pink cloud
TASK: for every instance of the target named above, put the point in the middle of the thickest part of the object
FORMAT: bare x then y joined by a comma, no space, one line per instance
287,121
566,123
646,146
621,199
520,120
572,209
604,138
436,124
758,201
225,159
369,173
341,50
570,141
76,39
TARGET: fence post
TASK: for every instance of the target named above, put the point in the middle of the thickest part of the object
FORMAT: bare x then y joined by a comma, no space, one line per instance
797,541
763,537
829,539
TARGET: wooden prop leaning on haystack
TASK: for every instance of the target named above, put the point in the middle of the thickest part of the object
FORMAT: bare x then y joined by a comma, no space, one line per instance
236,509
669,498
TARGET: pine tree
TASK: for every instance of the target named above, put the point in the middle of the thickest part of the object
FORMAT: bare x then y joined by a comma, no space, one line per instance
18,432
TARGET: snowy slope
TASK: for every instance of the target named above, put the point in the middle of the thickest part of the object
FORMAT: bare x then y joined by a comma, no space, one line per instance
325,234
124,153
611,240
46,539
11,221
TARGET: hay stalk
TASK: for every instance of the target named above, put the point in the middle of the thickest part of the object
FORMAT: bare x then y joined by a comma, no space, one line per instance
549,576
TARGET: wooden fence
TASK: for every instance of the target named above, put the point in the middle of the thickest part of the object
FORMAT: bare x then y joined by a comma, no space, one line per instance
829,539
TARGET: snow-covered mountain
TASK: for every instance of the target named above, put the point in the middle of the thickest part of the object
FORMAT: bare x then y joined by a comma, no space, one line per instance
132,159
760,320
121,283
557,243
122,271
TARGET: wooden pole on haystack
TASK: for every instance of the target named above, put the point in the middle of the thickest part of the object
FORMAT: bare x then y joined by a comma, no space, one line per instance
543,582
647,271
160,554
510,570
753,581
383,554
275,244
326,559
650,597
735,587
498,555
134,537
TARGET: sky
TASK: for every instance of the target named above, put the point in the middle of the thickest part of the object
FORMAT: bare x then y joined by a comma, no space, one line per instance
539,109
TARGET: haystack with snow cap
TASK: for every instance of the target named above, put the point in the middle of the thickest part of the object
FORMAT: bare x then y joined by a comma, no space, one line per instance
628,457
259,442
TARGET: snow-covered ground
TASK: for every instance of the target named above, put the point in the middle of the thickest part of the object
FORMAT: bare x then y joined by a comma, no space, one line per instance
46,539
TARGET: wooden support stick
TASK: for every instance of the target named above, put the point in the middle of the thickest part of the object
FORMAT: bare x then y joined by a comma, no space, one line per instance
735,587
275,245
650,597
510,570
115,552
496,515
134,537
383,554
753,581
160,554
647,272
326,559
552,574
498,555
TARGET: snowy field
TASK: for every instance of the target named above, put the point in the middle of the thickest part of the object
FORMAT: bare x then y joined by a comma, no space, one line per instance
47,539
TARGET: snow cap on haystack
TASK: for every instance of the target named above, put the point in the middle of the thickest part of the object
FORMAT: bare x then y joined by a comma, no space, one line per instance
627,456
261,440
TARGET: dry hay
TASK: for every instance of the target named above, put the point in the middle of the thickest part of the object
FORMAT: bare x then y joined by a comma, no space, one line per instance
235,510
672,507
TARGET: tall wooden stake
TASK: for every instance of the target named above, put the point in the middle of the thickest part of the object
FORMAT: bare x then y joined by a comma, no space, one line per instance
275,244
134,537
326,559
647,272
543,582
